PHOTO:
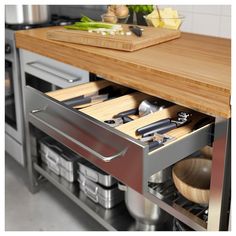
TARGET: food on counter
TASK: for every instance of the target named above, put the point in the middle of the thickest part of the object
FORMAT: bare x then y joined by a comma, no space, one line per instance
109,16
86,19
141,8
164,18
98,27
104,28
121,11
115,13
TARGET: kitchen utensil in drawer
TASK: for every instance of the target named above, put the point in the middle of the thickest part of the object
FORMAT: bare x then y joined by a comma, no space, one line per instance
192,177
133,111
96,175
114,122
157,140
85,100
153,126
147,107
165,125
101,95
106,197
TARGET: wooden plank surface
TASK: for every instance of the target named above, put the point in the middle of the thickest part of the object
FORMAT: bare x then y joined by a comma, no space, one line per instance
193,71
150,36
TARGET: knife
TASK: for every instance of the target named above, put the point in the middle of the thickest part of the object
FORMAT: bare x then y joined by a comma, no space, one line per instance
136,30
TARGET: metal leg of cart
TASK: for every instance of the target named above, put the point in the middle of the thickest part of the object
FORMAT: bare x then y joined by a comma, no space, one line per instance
220,185
31,153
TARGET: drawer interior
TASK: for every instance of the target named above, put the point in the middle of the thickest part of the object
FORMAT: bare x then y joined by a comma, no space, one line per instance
71,92
107,109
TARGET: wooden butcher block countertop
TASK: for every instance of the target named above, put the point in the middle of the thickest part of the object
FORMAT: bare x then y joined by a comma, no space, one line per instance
193,71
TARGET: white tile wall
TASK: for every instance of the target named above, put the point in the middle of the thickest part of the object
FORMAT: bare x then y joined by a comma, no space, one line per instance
214,20
226,10
225,27
187,21
205,25
207,9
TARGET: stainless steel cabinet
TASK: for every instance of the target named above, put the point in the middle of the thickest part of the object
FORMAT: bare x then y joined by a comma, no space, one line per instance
124,156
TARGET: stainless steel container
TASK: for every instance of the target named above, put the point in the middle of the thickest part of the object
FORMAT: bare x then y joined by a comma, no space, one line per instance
26,14
148,215
106,197
59,159
96,175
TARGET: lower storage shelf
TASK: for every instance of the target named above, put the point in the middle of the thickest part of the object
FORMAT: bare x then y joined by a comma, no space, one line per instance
168,198
115,219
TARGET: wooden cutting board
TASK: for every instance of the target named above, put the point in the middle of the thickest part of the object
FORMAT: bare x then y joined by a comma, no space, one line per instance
151,36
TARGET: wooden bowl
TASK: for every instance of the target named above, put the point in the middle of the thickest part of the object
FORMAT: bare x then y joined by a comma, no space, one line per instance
192,179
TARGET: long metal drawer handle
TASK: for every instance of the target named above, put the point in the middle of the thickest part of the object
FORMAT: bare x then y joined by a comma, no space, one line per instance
59,74
98,155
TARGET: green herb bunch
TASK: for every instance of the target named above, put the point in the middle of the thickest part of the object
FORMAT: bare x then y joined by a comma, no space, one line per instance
141,8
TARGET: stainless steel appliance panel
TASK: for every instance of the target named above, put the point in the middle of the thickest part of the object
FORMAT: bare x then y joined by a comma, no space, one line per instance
52,71
14,132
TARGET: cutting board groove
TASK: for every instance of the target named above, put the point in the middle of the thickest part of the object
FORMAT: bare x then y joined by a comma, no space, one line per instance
151,36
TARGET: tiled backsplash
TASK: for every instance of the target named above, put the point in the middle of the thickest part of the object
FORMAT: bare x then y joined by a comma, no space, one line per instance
212,20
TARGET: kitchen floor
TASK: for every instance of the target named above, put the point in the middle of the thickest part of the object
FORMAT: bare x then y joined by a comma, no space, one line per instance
48,210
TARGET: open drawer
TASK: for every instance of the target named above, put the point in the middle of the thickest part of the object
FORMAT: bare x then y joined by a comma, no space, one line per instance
116,150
